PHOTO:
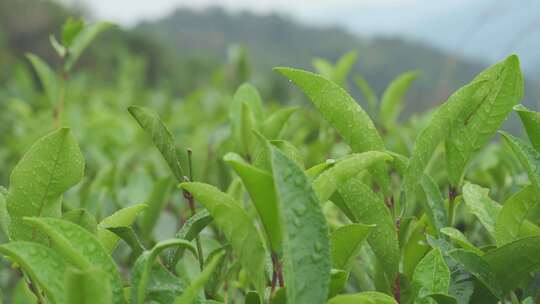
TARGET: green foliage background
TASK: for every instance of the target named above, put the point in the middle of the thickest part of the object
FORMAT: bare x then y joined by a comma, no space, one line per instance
208,178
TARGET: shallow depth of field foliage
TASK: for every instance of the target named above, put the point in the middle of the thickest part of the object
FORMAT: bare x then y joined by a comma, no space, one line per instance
119,193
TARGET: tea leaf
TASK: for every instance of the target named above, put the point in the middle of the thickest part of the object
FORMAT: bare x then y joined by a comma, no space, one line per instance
44,266
392,99
4,215
458,237
156,203
367,297
246,112
152,124
513,262
342,112
329,180
237,228
128,235
436,131
87,287
260,187
502,89
434,207
47,77
431,275
273,126
49,168
482,206
367,92
479,268
306,247
142,268
70,30
190,294
346,241
527,156
191,228
81,249
82,40
82,218
531,122
513,214
121,218
369,209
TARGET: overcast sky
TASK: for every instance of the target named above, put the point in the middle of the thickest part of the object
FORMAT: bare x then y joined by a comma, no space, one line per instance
129,12
487,29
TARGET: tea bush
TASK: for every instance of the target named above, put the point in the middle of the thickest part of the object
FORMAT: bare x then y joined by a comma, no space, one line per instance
229,199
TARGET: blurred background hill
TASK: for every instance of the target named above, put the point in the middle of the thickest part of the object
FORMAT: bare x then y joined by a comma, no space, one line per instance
182,48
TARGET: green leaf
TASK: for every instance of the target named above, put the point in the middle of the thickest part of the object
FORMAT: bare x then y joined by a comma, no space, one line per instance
434,207
70,30
370,209
346,241
246,112
513,215
49,168
82,40
190,294
338,280
342,112
502,88
458,237
212,287
152,124
323,67
273,126
47,77
128,235
87,287
141,272
482,206
82,249
479,268
513,262
306,247
156,203
252,297
329,181
367,297
83,218
237,227
527,156
4,215
44,266
121,218
260,187
191,228
392,99
280,296
22,294
59,48
431,275
434,133
531,122
343,67
367,92
163,286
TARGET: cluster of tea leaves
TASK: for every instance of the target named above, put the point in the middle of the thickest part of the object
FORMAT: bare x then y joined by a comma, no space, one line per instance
230,199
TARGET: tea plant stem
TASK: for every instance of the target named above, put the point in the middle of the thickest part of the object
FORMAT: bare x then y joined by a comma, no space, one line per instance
397,283
452,194
59,110
191,203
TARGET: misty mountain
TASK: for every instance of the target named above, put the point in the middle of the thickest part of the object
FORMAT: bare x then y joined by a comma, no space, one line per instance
274,40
